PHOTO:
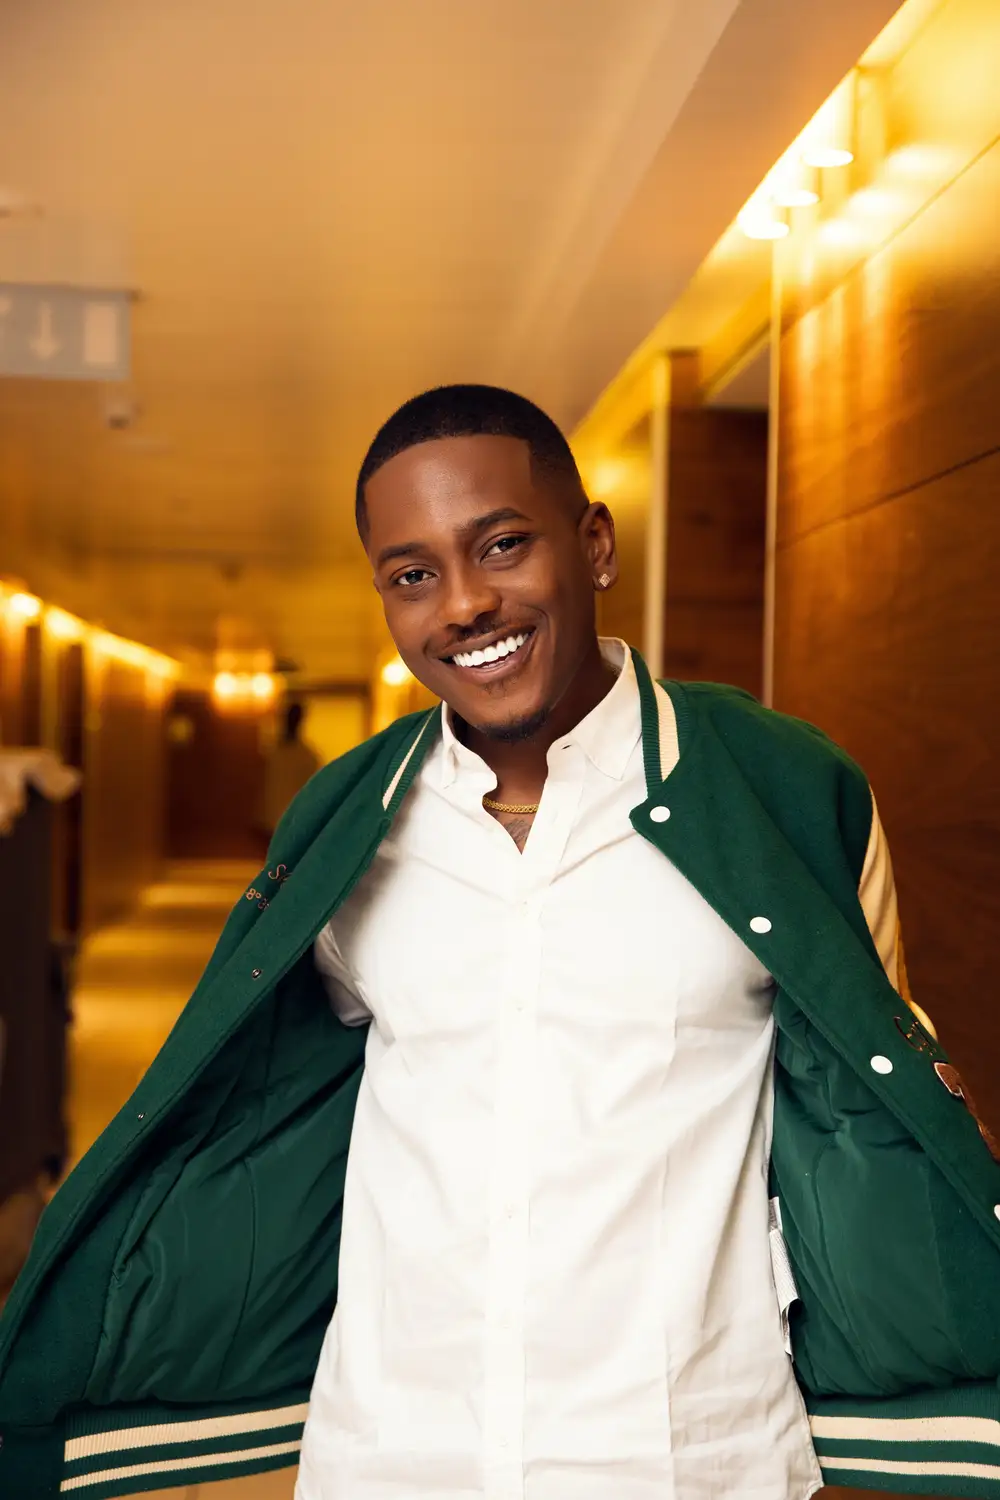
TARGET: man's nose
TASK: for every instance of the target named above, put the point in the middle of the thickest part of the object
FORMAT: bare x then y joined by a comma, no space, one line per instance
469,594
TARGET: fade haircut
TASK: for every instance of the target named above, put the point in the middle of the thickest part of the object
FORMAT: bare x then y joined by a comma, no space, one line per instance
471,411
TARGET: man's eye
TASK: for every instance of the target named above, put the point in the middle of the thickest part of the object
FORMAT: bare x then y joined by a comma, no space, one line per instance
412,577
505,544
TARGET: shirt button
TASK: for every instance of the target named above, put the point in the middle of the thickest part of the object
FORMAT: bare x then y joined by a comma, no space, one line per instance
659,814
881,1064
511,1210
759,924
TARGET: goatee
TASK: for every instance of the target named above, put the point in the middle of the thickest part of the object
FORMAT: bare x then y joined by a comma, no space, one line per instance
515,731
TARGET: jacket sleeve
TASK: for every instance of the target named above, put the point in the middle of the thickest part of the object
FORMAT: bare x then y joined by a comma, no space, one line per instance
877,894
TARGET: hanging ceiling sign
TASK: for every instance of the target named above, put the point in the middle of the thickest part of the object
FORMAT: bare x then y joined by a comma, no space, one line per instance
64,333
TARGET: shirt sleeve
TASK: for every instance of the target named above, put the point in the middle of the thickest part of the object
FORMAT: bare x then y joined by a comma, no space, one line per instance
338,980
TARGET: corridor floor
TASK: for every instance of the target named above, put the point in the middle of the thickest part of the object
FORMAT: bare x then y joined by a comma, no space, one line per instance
133,981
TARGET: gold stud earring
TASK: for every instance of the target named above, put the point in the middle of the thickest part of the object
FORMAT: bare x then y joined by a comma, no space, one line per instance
604,580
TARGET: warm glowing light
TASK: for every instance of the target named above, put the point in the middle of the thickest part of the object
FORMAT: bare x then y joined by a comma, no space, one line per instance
226,685
63,626
606,478
824,157
758,223
262,686
921,163
25,606
841,235
874,203
795,197
395,673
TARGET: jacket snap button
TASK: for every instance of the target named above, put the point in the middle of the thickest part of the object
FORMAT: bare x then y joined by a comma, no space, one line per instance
256,974
659,814
881,1064
996,1209
759,924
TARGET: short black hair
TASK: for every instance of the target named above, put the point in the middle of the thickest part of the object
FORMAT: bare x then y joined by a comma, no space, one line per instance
469,411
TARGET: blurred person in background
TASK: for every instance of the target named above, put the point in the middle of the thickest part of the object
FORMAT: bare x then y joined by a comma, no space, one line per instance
289,764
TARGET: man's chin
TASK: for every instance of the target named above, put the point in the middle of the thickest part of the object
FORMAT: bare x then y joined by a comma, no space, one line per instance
515,729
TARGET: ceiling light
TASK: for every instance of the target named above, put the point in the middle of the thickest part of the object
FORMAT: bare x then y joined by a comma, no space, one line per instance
795,197
395,673
760,224
63,626
262,686
827,156
225,686
25,606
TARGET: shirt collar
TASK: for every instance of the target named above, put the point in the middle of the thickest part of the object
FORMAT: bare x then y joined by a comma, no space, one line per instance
607,736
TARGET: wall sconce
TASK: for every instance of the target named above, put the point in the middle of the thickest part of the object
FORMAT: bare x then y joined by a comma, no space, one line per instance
25,606
762,221
396,673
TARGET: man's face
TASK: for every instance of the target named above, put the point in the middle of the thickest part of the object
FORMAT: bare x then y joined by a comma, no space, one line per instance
472,551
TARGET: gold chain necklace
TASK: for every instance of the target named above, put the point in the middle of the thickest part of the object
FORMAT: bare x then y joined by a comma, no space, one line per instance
511,807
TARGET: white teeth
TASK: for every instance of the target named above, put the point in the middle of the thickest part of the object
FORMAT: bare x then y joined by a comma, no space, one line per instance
496,652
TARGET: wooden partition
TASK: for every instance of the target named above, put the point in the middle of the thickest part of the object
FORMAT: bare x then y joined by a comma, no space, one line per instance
123,792
716,503
888,560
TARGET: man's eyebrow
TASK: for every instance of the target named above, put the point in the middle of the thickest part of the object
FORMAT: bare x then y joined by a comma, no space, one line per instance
467,532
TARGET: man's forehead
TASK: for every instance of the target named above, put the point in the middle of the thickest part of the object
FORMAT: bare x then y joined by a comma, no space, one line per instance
457,464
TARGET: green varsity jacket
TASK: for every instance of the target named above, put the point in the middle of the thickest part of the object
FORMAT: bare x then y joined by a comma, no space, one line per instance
167,1325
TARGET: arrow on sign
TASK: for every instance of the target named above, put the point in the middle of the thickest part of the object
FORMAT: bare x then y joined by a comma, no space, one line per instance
45,343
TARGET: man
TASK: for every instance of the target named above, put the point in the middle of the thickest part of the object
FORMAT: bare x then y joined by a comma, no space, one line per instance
568,1022
555,1256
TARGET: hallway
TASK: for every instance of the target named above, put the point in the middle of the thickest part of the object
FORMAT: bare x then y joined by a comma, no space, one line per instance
133,981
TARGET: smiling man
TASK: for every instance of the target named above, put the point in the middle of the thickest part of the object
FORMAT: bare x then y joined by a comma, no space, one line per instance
563,1051
554,1277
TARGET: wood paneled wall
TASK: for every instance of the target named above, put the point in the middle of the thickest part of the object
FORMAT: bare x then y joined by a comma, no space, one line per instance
887,594
716,499
215,781
123,788
106,717
887,603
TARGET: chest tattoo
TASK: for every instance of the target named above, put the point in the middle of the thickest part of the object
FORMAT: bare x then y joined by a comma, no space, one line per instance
518,825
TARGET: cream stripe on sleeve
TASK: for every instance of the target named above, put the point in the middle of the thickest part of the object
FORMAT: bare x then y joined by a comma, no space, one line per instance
877,894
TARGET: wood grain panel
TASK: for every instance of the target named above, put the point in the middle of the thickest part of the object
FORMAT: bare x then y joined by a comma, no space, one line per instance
887,605
716,495
123,790
888,627
215,783
894,379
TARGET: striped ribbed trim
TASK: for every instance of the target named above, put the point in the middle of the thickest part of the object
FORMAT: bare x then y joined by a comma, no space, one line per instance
410,764
904,1450
650,708
667,719
661,727
150,1451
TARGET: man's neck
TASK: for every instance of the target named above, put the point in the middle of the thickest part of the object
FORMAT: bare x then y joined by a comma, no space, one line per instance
521,766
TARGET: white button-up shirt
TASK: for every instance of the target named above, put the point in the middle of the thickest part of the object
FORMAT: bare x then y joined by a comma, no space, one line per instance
555,1280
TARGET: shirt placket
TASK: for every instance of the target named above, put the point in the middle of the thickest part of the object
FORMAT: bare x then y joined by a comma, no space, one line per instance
510,1218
